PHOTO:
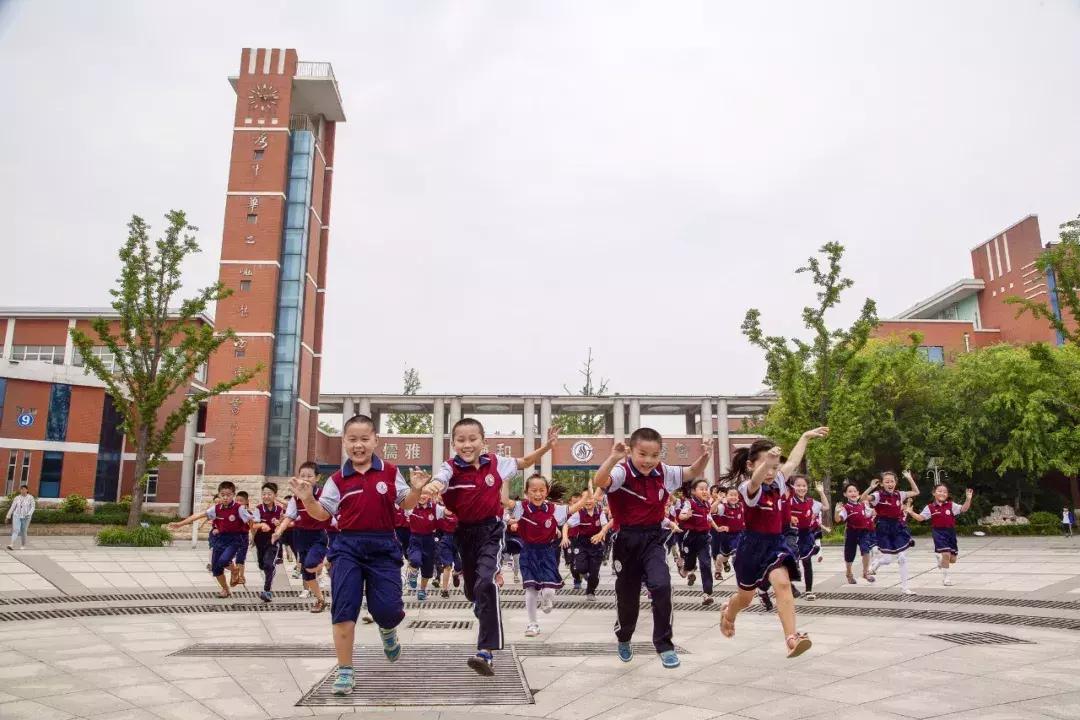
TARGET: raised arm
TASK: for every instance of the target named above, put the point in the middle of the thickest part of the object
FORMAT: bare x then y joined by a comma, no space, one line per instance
576,505
534,457
870,490
769,462
602,478
698,468
911,481
838,513
187,521
967,500
796,455
303,492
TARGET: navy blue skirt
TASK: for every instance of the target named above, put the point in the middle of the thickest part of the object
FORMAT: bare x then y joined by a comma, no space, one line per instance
893,536
759,554
539,566
807,544
945,540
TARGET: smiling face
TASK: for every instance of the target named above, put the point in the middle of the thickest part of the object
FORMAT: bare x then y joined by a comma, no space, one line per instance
701,491
469,442
851,493
590,501
645,454
732,496
424,498
268,496
359,442
800,487
537,491
941,493
888,481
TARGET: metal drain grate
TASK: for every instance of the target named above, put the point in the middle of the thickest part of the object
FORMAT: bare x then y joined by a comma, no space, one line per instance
980,638
440,624
379,683
458,650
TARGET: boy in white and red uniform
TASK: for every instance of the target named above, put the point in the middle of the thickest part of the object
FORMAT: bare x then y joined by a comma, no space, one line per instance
231,521
310,537
586,530
423,521
638,486
266,519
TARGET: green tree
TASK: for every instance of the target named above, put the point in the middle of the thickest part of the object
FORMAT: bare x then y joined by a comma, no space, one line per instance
328,428
410,423
584,423
1062,261
804,373
158,347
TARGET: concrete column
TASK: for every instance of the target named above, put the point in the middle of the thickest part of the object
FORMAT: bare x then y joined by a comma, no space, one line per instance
9,338
187,466
635,415
455,412
364,407
348,409
438,432
707,433
722,438
528,430
69,345
545,424
619,413
691,424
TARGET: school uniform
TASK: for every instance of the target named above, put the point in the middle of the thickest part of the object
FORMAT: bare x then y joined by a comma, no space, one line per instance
587,556
763,546
942,517
241,554
447,553
697,541
805,513
638,504
474,494
401,529
366,555
309,535
422,525
858,534
538,527
731,516
266,552
231,522
892,534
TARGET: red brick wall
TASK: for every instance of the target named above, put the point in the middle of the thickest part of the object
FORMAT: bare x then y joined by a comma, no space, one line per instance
29,396
84,418
947,334
40,332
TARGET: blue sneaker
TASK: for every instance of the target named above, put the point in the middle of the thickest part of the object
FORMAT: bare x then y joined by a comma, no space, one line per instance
483,663
390,645
412,580
626,651
669,659
421,595
343,683
266,596
577,584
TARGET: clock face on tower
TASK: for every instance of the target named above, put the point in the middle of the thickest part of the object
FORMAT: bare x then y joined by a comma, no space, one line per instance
263,97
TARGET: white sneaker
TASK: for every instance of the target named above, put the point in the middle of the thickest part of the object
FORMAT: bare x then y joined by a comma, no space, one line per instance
305,593
906,590
946,582
874,565
532,630
547,603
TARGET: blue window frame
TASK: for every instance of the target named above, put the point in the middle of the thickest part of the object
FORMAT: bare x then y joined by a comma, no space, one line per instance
52,466
933,353
59,409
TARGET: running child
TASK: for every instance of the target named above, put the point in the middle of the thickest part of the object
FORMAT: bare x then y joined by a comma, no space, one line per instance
695,517
475,487
638,487
538,524
857,533
447,557
586,532
236,570
231,520
423,521
942,514
764,555
893,537
309,534
265,520
366,555
805,513
728,516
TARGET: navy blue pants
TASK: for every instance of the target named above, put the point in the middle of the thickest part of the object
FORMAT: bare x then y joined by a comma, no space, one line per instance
366,565
481,547
855,539
267,553
697,548
587,558
226,547
422,554
310,550
639,554
447,555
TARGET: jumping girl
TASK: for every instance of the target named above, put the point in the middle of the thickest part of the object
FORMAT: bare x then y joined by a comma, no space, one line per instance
696,520
730,523
942,514
857,534
893,537
805,513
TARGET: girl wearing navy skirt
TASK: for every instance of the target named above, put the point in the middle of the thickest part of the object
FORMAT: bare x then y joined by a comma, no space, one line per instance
729,518
764,555
942,514
805,512
697,523
858,535
893,537
538,522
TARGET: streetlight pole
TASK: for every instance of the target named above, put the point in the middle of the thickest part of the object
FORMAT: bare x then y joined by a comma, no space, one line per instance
196,483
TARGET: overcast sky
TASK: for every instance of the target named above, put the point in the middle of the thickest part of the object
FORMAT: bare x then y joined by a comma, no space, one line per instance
519,181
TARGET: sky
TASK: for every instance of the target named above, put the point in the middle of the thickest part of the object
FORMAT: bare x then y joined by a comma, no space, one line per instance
518,181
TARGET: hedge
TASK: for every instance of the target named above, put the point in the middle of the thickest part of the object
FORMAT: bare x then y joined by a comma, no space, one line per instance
48,516
152,536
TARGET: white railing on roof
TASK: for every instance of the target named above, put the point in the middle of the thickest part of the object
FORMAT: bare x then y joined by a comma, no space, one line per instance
315,70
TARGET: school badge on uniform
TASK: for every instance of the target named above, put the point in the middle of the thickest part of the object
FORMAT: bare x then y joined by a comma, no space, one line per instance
660,495
232,518
381,487
547,523
490,480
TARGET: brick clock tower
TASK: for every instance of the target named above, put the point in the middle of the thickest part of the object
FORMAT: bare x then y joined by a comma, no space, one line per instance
273,256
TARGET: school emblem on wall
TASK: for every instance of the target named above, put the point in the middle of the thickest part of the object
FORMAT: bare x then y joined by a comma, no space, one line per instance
24,417
582,451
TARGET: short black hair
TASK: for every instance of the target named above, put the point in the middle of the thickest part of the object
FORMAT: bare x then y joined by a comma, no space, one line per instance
466,422
309,465
226,485
358,420
271,486
24,486
243,494
645,435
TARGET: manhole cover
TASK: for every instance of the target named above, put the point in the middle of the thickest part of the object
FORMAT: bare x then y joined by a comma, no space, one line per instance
980,638
440,624
382,684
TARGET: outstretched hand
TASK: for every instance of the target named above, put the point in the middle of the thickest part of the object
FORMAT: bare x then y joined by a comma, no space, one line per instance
619,450
553,435
418,478
302,489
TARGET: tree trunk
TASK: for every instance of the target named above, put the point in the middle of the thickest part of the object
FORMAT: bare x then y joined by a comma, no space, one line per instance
135,513
1074,492
827,510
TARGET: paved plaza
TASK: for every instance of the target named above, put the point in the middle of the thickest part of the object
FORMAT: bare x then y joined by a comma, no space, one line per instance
94,633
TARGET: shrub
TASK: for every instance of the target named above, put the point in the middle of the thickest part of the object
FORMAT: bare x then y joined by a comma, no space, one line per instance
151,536
48,516
1044,518
74,503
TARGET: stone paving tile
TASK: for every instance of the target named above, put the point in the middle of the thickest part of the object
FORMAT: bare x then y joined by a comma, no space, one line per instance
29,710
87,702
184,711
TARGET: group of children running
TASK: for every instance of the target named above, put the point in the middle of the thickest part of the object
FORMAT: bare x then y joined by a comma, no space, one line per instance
367,521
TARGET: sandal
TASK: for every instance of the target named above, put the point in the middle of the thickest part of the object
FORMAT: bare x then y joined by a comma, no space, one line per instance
797,644
319,606
851,580
869,578
727,625
224,595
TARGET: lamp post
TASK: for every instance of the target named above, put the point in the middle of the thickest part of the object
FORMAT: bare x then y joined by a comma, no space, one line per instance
196,482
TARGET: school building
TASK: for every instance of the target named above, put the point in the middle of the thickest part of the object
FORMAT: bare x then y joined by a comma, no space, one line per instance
972,312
